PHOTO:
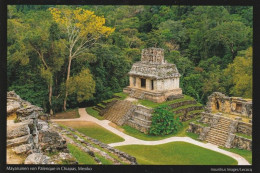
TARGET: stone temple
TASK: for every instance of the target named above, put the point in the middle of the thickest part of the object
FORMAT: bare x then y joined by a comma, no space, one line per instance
153,78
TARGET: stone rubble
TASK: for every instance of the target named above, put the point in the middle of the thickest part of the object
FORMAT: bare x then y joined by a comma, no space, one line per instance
30,134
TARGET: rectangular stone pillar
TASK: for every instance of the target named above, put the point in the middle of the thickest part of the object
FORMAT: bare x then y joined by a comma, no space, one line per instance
138,82
148,84
131,82
155,85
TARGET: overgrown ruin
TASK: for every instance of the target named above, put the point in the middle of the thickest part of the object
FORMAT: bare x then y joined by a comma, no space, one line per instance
218,102
153,78
32,139
227,122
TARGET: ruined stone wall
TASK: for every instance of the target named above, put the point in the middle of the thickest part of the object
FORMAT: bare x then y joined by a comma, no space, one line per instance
140,118
245,128
232,105
167,84
153,55
30,135
242,143
195,128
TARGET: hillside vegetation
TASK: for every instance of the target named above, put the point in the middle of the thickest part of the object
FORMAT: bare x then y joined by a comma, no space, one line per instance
60,64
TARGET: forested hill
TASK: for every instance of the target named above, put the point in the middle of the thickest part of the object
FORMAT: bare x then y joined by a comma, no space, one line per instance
211,46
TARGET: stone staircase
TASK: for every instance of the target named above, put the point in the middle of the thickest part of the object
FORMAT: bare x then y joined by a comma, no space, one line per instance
218,134
141,118
118,111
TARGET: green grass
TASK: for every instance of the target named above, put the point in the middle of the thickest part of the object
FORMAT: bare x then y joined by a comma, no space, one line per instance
176,153
195,111
103,160
151,104
109,100
244,153
94,113
137,134
186,106
101,105
122,95
100,134
192,135
243,135
202,124
96,132
82,157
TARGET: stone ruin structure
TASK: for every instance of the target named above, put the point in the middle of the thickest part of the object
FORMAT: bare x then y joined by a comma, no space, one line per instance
32,139
221,130
231,105
31,136
153,78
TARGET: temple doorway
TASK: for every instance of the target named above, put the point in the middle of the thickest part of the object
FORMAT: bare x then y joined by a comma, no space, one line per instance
143,83
217,105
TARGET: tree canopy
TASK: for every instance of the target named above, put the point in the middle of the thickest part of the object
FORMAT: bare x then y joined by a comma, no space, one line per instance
62,57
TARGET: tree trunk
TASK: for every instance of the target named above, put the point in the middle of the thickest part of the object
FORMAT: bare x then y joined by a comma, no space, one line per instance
50,96
66,87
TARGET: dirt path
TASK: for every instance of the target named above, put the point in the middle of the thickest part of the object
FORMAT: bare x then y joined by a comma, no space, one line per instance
129,140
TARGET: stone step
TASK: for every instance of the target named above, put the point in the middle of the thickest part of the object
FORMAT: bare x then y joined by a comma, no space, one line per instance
221,129
219,138
136,125
137,94
142,108
117,112
217,143
216,135
221,123
191,108
182,103
143,115
221,126
142,121
217,130
95,108
224,121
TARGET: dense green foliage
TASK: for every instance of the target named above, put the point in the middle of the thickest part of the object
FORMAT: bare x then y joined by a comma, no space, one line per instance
211,46
164,122
176,153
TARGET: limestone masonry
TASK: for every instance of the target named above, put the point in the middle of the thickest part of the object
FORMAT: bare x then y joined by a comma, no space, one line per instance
233,105
153,78
222,123
31,136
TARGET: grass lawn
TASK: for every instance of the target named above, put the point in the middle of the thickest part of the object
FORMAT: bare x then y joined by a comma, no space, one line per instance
122,95
82,157
69,114
137,134
94,113
244,153
244,135
176,153
192,135
93,130
151,104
